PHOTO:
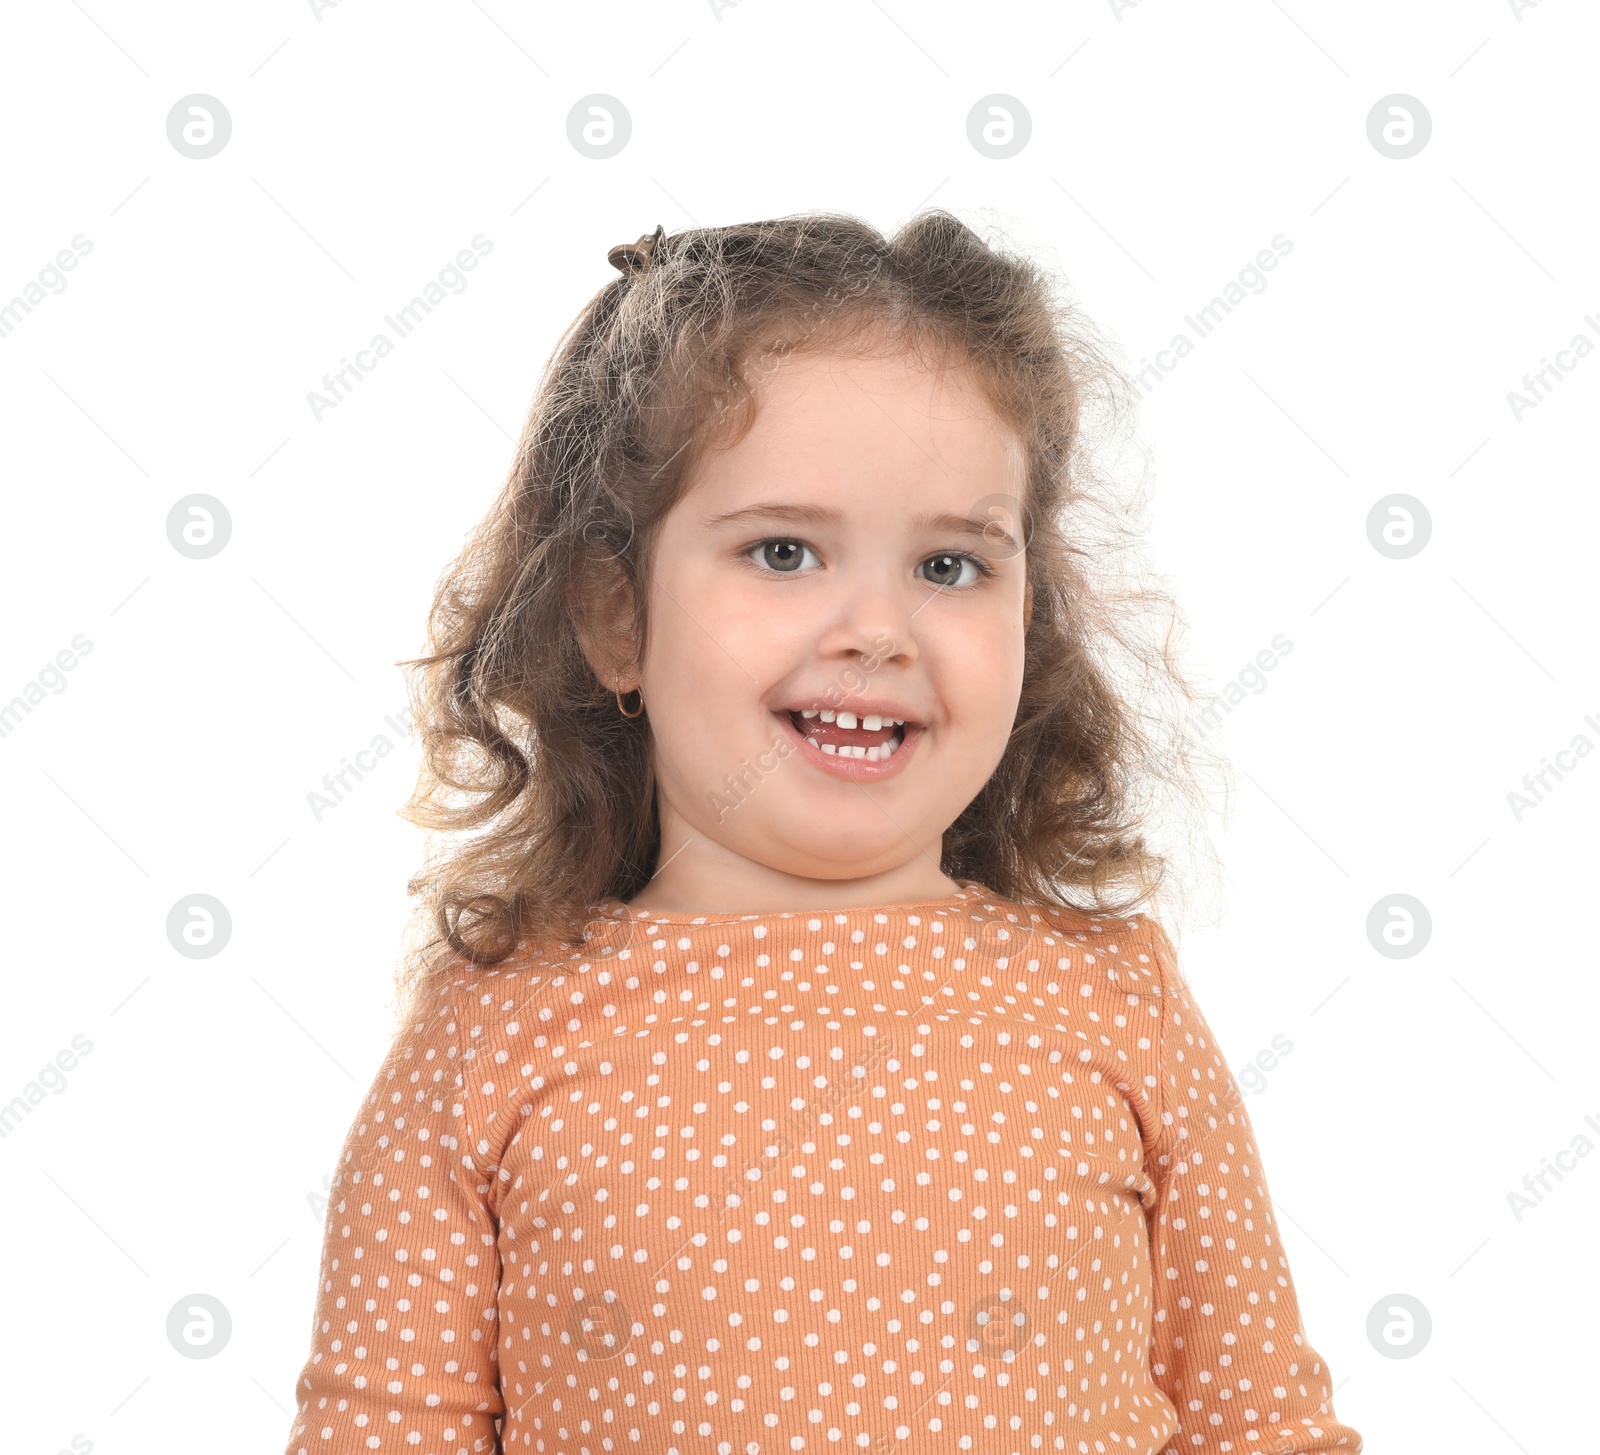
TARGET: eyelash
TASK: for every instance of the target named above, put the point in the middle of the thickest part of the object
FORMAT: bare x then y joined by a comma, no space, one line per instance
985,570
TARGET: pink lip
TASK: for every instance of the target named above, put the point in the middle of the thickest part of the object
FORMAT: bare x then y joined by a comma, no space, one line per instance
857,770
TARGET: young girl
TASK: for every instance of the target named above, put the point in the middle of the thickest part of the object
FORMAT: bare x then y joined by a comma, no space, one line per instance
787,1073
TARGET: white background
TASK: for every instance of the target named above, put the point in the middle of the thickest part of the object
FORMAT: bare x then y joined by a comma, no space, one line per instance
1170,144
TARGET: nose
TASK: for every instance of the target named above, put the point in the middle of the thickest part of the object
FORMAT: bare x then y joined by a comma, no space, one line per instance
874,619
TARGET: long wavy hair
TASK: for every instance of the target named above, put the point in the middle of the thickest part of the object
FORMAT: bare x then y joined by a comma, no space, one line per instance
548,790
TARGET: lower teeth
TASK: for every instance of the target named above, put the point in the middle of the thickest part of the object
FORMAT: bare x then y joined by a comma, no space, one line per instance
871,755
875,754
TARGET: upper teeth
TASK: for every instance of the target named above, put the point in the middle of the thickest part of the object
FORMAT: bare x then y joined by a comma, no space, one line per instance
872,722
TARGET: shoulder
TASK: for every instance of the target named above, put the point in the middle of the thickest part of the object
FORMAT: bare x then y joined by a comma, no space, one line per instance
470,1019
511,1021
1131,953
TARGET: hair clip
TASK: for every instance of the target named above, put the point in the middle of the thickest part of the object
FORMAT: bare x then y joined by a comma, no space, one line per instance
636,257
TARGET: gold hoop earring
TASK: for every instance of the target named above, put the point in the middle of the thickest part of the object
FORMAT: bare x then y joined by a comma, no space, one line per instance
624,711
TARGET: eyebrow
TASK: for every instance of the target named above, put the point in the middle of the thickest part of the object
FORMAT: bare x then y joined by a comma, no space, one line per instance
822,515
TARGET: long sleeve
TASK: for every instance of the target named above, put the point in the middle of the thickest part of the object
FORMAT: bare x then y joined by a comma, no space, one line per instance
1228,1346
405,1334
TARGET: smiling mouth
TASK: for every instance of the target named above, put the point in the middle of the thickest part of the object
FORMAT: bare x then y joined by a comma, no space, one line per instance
872,744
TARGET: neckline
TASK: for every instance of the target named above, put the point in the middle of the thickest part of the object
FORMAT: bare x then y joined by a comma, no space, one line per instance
616,909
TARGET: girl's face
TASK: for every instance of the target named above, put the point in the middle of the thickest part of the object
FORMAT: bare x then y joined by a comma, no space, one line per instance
836,559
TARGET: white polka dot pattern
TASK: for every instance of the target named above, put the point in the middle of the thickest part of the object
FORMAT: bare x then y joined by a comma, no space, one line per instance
961,1175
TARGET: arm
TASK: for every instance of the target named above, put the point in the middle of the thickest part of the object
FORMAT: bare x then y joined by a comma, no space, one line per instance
403,1354
1228,1346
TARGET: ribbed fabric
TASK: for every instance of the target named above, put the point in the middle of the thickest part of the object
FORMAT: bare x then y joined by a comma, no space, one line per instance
962,1174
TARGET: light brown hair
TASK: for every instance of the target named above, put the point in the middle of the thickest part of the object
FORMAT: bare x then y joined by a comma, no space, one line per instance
525,753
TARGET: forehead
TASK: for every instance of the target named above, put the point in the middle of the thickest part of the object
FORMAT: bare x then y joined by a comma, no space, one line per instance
942,382
866,429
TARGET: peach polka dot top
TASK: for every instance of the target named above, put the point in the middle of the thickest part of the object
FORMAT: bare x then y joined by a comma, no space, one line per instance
962,1174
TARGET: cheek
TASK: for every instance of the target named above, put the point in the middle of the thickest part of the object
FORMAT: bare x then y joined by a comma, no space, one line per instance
726,636
699,694
981,662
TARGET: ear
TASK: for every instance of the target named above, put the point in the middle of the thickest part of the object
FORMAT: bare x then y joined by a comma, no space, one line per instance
600,601
1027,607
